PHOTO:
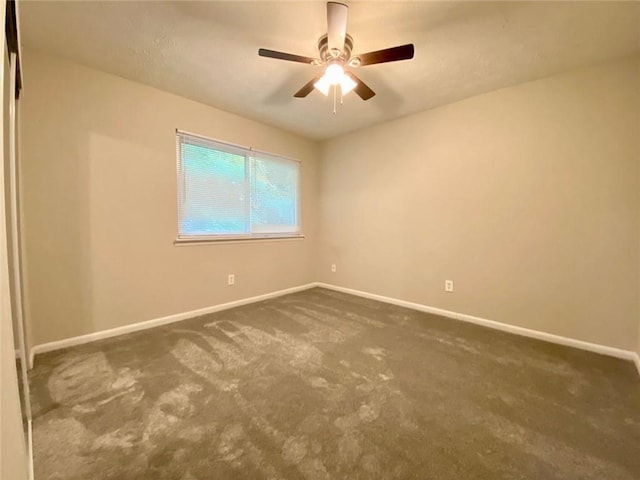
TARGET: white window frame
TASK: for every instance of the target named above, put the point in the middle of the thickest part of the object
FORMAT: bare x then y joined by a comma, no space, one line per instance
248,153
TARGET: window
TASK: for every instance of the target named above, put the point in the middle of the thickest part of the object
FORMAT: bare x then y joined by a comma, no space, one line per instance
231,192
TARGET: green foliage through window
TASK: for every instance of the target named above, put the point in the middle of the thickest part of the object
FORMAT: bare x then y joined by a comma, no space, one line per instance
229,191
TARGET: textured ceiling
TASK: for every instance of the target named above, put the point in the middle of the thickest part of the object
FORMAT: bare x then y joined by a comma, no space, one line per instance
207,51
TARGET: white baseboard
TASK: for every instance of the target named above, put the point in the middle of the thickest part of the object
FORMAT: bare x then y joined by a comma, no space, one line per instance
526,332
134,327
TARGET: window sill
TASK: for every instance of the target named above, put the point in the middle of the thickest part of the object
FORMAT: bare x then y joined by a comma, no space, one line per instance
185,242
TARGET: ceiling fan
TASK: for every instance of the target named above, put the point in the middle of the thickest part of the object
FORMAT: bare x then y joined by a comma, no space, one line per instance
335,53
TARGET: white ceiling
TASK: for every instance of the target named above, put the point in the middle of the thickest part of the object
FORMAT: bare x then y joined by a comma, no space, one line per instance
208,51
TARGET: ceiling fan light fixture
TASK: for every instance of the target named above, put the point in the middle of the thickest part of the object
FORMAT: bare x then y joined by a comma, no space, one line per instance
347,84
335,49
323,85
334,75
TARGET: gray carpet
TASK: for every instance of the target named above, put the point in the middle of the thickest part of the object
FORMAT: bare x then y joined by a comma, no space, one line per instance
323,385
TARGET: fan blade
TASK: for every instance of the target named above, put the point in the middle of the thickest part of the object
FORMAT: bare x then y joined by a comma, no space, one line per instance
336,26
403,52
263,52
307,89
362,89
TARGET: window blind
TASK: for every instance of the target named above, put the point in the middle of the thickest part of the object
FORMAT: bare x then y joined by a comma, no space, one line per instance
228,191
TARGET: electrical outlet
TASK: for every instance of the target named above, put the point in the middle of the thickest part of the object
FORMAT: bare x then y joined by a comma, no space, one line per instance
448,285
333,267
231,279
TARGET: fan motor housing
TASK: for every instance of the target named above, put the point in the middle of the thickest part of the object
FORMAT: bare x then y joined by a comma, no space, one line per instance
325,54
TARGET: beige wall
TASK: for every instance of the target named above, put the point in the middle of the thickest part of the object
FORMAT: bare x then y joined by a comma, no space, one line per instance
99,204
527,197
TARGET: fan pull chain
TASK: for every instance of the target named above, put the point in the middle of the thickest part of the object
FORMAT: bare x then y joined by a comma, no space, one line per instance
335,92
